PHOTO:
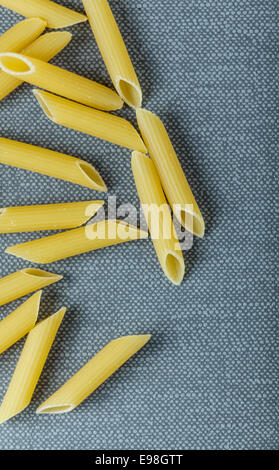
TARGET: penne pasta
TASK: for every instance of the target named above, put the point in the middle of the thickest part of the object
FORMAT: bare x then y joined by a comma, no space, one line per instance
75,242
90,121
50,163
20,322
113,51
56,15
158,217
21,34
43,48
174,182
93,374
30,366
47,216
59,81
24,282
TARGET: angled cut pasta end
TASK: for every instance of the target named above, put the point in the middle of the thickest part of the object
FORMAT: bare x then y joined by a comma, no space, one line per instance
33,304
65,36
45,103
5,414
144,118
140,340
140,145
55,409
41,274
144,113
92,177
21,252
19,322
129,91
91,209
60,38
174,267
117,231
192,221
76,18
125,230
33,22
56,16
56,317
28,26
21,34
66,19
15,64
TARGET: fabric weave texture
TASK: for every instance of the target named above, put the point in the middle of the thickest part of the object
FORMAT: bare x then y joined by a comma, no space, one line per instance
208,379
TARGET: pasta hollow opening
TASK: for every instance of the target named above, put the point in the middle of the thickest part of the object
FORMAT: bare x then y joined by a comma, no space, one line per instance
175,268
38,272
14,65
93,175
192,223
44,105
130,93
56,409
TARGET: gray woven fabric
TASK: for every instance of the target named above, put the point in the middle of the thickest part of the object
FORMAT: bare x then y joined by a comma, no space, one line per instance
208,379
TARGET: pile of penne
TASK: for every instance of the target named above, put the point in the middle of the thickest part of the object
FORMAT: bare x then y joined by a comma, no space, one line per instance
83,105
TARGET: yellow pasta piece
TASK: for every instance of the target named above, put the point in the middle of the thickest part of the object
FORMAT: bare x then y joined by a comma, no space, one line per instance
43,48
24,282
56,15
47,216
20,322
93,374
21,34
75,242
158,217
90,121
173,179
30,366
113,50
50,163
59,81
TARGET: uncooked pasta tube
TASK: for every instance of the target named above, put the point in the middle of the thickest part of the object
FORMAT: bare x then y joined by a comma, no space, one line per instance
173,179
30,366
90,121
47,216
21,34
43,48
113,50
56,15
158,217
75,242
24,282
19,322
50,163
59,81
93,374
